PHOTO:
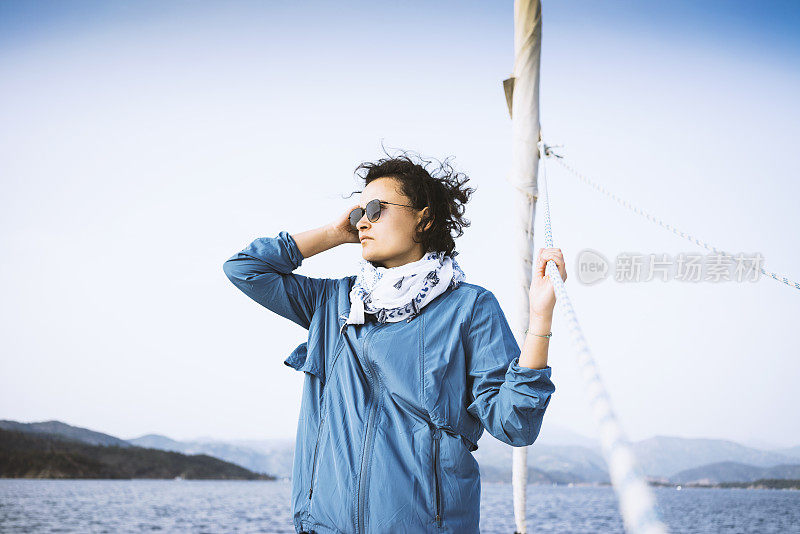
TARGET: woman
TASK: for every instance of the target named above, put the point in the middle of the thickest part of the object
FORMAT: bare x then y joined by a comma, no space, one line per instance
406,363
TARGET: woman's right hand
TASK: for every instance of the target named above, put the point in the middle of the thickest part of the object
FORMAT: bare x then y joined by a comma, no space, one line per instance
341,228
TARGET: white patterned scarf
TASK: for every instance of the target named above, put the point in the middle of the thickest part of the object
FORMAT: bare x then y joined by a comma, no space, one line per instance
398,293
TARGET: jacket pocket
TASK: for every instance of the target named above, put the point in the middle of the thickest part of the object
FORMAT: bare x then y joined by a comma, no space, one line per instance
437,482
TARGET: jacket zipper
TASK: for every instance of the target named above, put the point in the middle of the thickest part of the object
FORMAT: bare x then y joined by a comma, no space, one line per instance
368,436
436,434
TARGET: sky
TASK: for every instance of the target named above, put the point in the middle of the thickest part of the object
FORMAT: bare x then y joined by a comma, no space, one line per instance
144,143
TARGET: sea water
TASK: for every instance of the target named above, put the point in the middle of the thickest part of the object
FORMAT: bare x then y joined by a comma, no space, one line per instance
117,506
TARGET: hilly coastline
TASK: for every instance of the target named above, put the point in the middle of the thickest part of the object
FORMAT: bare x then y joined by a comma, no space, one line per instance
44,455
54,449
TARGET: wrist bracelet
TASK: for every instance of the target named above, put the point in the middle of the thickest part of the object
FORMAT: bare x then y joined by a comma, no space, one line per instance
540,335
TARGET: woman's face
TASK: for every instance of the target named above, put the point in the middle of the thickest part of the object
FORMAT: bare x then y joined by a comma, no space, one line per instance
390,240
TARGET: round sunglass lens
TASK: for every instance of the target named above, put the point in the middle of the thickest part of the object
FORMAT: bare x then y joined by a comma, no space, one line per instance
373,210
355,216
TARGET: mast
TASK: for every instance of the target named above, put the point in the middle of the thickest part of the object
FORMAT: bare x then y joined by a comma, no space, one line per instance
637,502
522,97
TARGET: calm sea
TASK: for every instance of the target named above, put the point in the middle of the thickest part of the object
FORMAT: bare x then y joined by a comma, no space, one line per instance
259,506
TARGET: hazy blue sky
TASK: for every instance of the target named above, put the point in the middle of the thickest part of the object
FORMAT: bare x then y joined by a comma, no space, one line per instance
144,143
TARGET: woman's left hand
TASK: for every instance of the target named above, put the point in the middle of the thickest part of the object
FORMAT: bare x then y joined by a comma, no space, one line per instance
542,295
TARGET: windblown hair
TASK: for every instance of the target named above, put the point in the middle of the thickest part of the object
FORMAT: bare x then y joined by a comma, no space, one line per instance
442,189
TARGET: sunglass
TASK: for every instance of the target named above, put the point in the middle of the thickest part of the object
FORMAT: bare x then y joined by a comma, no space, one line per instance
373,211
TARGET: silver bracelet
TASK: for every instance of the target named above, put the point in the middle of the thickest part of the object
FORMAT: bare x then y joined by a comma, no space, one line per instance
550,334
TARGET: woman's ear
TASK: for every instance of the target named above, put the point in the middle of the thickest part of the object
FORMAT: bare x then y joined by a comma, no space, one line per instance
425,212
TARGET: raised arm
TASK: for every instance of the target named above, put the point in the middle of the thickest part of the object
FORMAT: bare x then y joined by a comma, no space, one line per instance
263,272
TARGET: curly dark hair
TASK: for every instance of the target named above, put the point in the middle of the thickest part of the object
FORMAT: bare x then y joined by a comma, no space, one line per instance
442,190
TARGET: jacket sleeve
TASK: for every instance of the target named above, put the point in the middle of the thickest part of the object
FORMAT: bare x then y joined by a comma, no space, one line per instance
263,271
510,400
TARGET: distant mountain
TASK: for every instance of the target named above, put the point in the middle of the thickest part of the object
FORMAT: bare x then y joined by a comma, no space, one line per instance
495,474
562,464
792,452
664,456
548,463
274,456
735,472
668,459
40,455
758,443
157,441
62,429
553,434
279,454
558,456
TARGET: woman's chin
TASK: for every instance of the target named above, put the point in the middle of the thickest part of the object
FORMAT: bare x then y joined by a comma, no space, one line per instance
366,250
368,256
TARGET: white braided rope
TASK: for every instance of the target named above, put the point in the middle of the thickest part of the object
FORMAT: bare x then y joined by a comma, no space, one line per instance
597,187
636,500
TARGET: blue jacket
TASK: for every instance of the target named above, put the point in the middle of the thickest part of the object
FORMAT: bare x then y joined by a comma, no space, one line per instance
391,412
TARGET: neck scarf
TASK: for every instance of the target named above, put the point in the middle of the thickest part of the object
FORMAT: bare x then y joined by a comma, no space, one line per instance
397,293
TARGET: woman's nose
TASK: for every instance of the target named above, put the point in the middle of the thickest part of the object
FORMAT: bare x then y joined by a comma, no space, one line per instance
363,223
